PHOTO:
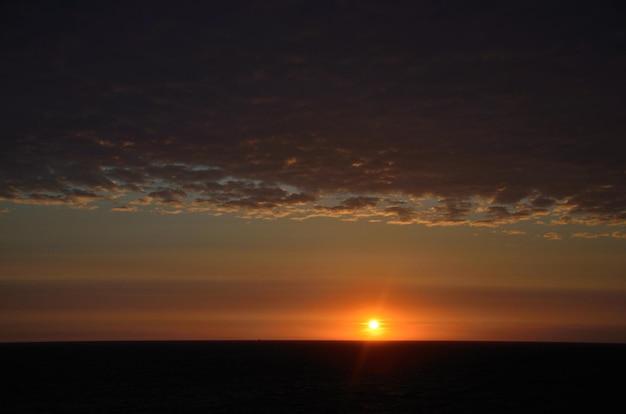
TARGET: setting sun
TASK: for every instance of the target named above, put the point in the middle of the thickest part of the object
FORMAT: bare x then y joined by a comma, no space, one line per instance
374,328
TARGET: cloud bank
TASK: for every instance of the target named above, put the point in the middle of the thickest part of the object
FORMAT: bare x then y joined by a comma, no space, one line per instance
401,113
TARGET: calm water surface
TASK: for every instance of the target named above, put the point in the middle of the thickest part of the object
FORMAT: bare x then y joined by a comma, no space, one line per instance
312,377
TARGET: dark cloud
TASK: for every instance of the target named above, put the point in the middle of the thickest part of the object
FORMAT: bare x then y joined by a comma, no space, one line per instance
355,203
427,113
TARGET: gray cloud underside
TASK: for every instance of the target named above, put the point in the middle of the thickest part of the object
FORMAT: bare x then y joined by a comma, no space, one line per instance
398,113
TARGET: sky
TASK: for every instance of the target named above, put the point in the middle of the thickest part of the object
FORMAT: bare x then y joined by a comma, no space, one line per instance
290,169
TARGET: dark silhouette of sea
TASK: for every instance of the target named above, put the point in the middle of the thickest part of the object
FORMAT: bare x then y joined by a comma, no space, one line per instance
312,377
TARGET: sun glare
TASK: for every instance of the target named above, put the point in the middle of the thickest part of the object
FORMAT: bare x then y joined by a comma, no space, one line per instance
374,328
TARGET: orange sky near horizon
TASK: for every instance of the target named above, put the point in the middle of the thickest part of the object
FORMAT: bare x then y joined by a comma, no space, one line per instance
422,286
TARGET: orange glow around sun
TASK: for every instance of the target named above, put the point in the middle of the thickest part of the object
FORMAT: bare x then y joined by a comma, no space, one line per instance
374,328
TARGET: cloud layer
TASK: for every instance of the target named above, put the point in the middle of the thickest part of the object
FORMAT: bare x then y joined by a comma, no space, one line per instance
399,113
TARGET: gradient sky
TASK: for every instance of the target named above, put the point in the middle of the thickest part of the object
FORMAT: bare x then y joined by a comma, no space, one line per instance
288,169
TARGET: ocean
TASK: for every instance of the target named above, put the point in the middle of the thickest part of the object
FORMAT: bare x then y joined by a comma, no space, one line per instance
312,377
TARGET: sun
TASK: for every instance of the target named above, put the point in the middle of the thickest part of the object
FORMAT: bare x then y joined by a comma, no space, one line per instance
374,328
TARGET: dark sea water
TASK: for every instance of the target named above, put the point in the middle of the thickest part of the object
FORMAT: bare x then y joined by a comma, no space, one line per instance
312,377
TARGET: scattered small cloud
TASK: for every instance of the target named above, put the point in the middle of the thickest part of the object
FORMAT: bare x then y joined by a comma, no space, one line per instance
618,235
124,209
589,235
552,236
514,232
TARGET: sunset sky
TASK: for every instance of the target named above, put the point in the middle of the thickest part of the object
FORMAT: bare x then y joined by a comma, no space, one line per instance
289,169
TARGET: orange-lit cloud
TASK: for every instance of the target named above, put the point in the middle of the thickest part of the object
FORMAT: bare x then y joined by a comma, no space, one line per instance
553,236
